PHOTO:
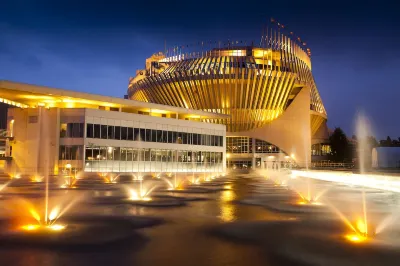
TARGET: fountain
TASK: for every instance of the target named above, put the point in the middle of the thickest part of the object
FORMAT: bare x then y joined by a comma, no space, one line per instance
175,185
37,179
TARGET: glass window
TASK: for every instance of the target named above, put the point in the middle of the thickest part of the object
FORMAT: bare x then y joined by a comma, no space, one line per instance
117,154
165,136
159,136
103,131
96,153
184,138
117,133
165,156
123,152
158,155
124,133
147,155
96,129
74,152
148,135
63,130
89,131
70,128
61,155
170,136
129,155
110,132
173,137
154,135
142,134
70,152
136,136
135,154
194,138
110,153
212,140
179,137
130,133
81,130
88,154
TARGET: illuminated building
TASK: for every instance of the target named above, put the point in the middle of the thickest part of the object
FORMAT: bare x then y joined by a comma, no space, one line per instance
275,111
52,130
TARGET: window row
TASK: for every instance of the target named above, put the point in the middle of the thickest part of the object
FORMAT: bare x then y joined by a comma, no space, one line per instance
71,130
73,152
151,155
151,135
245,145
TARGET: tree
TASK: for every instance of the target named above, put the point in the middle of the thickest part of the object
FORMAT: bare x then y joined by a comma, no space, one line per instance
386,143
340,147
372,142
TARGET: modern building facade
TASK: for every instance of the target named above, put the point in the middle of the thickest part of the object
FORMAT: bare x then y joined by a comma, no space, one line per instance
52,130
275,111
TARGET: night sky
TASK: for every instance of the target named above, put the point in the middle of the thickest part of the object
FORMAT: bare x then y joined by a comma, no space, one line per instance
95,46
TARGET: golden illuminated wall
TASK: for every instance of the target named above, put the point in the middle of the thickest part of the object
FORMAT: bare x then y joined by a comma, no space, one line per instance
253,86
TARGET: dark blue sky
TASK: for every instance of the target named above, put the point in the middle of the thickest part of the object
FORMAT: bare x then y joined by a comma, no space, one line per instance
95,46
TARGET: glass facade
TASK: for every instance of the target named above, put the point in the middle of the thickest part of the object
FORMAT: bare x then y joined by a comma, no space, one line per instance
242,164
151,135
245,145
73,152
71,130
122,159
320,149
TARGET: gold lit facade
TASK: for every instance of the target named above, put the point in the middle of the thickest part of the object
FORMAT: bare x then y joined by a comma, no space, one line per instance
253,85
272,107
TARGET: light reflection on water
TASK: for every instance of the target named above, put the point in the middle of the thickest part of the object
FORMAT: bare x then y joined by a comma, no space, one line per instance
182,240
227,209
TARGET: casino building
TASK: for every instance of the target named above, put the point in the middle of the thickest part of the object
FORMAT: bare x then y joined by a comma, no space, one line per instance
54,131
276,114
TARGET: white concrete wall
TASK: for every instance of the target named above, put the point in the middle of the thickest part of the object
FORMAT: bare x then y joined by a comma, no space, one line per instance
35,144
291,131
35,148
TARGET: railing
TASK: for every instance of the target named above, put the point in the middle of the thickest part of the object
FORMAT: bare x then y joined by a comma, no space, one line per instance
329,164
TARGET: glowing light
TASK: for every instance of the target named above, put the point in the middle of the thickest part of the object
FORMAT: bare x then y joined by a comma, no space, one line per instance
35,227
227,187
68,166
228,155
30,227
54,213
16,176
361,227
37,179
56,227
355,238
135,196
34,214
